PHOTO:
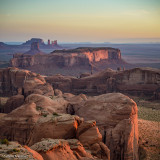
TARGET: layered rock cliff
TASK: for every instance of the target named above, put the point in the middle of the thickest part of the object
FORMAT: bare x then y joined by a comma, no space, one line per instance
17,81
70,61
135,81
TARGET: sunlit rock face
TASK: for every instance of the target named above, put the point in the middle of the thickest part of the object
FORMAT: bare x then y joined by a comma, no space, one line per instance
70,149
116,117
69,62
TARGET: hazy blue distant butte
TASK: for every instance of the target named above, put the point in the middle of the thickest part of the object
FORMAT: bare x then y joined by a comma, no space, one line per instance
13,43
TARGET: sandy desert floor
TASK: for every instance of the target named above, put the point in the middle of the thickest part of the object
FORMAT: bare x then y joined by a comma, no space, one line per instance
149,127
149,137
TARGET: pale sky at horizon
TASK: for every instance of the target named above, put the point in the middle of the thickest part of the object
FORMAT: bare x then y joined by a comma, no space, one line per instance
80,20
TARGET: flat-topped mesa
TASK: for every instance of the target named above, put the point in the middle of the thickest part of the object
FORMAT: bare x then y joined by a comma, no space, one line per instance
93,54
70,62
32,40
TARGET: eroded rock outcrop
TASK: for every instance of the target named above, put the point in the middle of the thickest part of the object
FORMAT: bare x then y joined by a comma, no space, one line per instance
30,123
13,103
58,149
37,118
71,149
138,80
135,81
43,117
116,117
15,81
34,49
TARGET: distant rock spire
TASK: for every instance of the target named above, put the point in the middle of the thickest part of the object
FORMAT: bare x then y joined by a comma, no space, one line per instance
34,49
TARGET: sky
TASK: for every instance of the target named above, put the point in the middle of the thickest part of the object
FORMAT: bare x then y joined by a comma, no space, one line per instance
80,20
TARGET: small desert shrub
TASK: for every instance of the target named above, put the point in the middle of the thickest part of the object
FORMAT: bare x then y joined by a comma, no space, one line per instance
16,150
142,153
38,108
55,114
4,141
51,97
45,115
148,114
9,151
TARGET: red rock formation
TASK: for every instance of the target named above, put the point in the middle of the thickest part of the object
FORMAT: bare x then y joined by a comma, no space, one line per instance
116,117
32,40
70,61
138,80
13,103
38,118
60,82
134,81
71,149
34,49
34,153
17,81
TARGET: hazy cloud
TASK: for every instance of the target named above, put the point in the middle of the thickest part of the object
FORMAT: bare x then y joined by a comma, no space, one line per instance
136,12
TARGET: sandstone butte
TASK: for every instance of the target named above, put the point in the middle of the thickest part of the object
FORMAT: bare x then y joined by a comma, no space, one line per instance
56,124
72,61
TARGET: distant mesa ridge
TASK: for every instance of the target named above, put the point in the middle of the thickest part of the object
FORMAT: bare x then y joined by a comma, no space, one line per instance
32,40
70,61
41,42
50,45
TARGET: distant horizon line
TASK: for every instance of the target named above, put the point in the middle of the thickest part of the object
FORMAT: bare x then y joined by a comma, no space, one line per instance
21,42
109,41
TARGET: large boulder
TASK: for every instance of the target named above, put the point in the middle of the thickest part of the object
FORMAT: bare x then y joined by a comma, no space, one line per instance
88,133
52,149
49,104
116,117
63,83
12,103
